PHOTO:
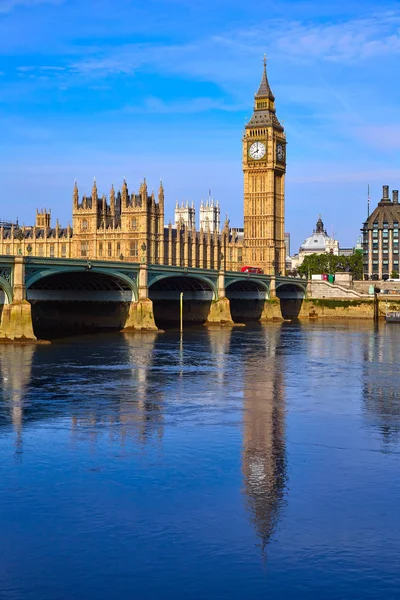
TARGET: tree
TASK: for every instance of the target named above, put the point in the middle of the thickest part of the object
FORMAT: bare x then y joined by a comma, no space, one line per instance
315,264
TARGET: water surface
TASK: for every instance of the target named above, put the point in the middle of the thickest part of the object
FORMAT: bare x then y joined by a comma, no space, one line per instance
257,462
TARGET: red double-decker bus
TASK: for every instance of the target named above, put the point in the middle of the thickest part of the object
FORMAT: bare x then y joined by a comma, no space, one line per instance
255,270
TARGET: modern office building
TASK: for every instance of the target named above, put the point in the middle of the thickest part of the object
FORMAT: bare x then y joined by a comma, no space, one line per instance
380,234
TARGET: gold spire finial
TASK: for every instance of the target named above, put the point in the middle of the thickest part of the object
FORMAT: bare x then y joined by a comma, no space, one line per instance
265,61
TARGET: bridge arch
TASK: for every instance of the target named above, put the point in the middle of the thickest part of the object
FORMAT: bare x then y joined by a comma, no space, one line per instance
289,290
73,301
291,295
122,280
198,293
247,297
6,294
205,282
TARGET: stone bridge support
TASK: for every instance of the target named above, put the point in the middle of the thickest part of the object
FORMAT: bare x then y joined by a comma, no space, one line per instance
16,318
141,315
220,309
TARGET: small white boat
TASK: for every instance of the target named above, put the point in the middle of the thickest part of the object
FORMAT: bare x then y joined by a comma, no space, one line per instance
393,317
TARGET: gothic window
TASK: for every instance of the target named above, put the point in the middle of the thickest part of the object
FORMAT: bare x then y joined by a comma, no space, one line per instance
109,250
84,248
134,223
8,249
85,225
40,250
51,250
118,249
133,249
100,249
63,250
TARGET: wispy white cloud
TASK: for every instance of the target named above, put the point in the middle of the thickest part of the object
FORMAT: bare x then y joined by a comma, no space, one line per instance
184,106
354,39
224,58
382,137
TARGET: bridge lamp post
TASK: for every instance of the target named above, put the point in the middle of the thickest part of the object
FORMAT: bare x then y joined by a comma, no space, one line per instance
221,258
121,256
20,236
181,311
143,248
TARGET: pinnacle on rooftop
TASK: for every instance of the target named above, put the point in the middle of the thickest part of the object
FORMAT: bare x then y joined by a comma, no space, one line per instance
264,91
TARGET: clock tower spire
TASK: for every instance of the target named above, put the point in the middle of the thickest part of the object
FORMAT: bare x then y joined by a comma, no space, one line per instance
264,167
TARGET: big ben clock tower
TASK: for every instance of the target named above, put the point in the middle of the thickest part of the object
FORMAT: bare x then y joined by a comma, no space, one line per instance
264,167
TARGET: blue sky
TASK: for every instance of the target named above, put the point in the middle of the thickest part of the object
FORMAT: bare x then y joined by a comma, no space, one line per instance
162,89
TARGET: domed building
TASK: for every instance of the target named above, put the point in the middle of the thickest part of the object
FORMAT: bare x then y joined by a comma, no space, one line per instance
318,243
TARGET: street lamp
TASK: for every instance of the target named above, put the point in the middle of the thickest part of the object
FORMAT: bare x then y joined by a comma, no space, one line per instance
121,256
143,248
20,236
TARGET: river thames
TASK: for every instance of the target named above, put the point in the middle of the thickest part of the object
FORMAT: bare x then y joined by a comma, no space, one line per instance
252,462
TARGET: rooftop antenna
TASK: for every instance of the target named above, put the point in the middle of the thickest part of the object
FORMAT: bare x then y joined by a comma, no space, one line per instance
368,201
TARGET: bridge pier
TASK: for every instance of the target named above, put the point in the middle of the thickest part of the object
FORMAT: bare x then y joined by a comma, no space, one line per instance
272,287
16,318
220,310
141,315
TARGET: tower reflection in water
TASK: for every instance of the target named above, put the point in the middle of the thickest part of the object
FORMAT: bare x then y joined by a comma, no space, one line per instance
15,369
264,459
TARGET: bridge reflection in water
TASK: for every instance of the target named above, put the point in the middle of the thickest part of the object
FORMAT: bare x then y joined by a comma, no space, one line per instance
125,395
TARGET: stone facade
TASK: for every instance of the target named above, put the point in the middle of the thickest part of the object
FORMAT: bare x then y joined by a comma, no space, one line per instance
381,238
264,167
130,226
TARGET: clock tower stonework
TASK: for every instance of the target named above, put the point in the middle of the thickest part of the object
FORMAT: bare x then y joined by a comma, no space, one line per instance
264,167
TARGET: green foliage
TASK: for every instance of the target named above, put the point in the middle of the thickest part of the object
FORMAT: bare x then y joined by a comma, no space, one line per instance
334,303
394,275
315,264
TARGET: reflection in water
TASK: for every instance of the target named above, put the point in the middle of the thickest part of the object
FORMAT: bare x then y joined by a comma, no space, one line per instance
15,368
177,470
145,406
137,412
381,388
263,436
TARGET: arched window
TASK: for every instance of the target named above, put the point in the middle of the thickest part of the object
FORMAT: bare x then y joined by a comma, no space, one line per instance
134,223
134,249
85,225
84,248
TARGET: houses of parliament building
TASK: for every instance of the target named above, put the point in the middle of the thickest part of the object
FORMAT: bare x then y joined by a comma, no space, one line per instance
130,226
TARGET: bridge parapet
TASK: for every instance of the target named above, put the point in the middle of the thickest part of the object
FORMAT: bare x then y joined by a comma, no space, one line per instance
38,279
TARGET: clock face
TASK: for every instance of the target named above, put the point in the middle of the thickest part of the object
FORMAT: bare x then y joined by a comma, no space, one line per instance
257,150
279,152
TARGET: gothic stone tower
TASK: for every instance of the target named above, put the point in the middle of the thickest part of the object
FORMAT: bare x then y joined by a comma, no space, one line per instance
264,167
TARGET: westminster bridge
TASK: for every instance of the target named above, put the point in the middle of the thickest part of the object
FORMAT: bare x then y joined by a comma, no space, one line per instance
44,297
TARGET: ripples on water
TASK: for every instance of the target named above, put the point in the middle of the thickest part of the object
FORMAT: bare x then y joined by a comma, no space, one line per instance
232,463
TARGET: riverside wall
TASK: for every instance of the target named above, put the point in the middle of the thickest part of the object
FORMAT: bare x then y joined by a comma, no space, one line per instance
331,308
